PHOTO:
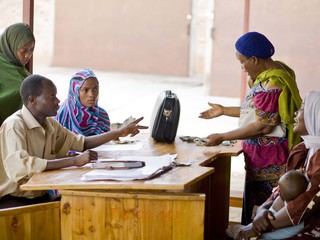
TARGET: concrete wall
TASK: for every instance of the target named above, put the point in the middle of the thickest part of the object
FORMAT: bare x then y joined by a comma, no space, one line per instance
11,12
145,36
225,70
291,25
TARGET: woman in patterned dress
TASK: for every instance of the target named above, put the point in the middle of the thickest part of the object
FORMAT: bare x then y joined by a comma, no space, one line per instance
273,99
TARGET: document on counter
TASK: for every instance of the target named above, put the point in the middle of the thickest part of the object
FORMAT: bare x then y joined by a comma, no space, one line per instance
111,146
154,166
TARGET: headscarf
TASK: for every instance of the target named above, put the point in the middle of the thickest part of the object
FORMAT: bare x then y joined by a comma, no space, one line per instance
289,100
312,122
255,44
13,38
78,118
12,72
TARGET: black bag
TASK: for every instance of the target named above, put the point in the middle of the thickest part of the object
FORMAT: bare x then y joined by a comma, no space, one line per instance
165,117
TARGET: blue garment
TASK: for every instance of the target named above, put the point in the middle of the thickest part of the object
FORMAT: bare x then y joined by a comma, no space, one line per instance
283,233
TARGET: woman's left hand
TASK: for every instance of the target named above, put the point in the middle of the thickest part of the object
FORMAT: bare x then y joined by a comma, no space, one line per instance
214,139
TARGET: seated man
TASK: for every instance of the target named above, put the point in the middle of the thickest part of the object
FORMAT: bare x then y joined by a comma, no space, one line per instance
32,142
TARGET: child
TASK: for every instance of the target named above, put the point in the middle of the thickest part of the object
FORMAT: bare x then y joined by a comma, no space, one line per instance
291,185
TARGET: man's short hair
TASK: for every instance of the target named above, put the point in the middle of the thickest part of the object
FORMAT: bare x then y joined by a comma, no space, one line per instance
32,86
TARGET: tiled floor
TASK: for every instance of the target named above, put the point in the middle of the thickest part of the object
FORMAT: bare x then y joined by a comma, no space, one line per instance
124,95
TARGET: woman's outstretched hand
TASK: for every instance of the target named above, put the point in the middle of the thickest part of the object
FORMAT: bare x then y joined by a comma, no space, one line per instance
216,110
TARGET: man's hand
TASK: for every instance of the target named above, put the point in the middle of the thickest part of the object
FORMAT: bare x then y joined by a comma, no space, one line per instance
216,110
85,158
132,128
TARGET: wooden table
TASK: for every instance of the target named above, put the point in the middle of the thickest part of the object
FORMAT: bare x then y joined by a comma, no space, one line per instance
178,195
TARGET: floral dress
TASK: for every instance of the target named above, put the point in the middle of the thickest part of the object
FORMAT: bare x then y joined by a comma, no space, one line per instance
265,157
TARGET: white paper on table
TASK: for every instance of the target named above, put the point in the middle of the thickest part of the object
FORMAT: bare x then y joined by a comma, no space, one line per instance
118,147
153,165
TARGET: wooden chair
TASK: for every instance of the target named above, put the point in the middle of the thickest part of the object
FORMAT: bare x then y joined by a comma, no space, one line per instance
31,222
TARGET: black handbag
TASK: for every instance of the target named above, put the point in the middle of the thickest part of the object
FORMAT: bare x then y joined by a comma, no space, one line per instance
165,117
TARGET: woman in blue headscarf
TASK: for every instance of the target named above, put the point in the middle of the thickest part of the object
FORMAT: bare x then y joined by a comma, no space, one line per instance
80,113
268,114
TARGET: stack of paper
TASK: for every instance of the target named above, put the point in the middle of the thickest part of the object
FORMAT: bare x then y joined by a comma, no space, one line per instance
154,165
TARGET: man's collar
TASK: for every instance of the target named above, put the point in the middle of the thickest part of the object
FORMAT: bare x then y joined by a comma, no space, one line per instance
29,119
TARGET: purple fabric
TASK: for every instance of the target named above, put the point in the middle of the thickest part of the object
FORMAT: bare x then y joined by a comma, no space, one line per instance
265,151
267,101
269,151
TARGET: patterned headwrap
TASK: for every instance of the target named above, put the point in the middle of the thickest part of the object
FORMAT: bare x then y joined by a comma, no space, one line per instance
255,44
78,118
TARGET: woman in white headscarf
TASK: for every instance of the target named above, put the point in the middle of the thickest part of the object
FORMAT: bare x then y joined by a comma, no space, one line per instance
305,208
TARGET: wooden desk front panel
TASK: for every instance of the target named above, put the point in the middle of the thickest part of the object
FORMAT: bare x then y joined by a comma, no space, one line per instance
209,174
32,222
131,216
